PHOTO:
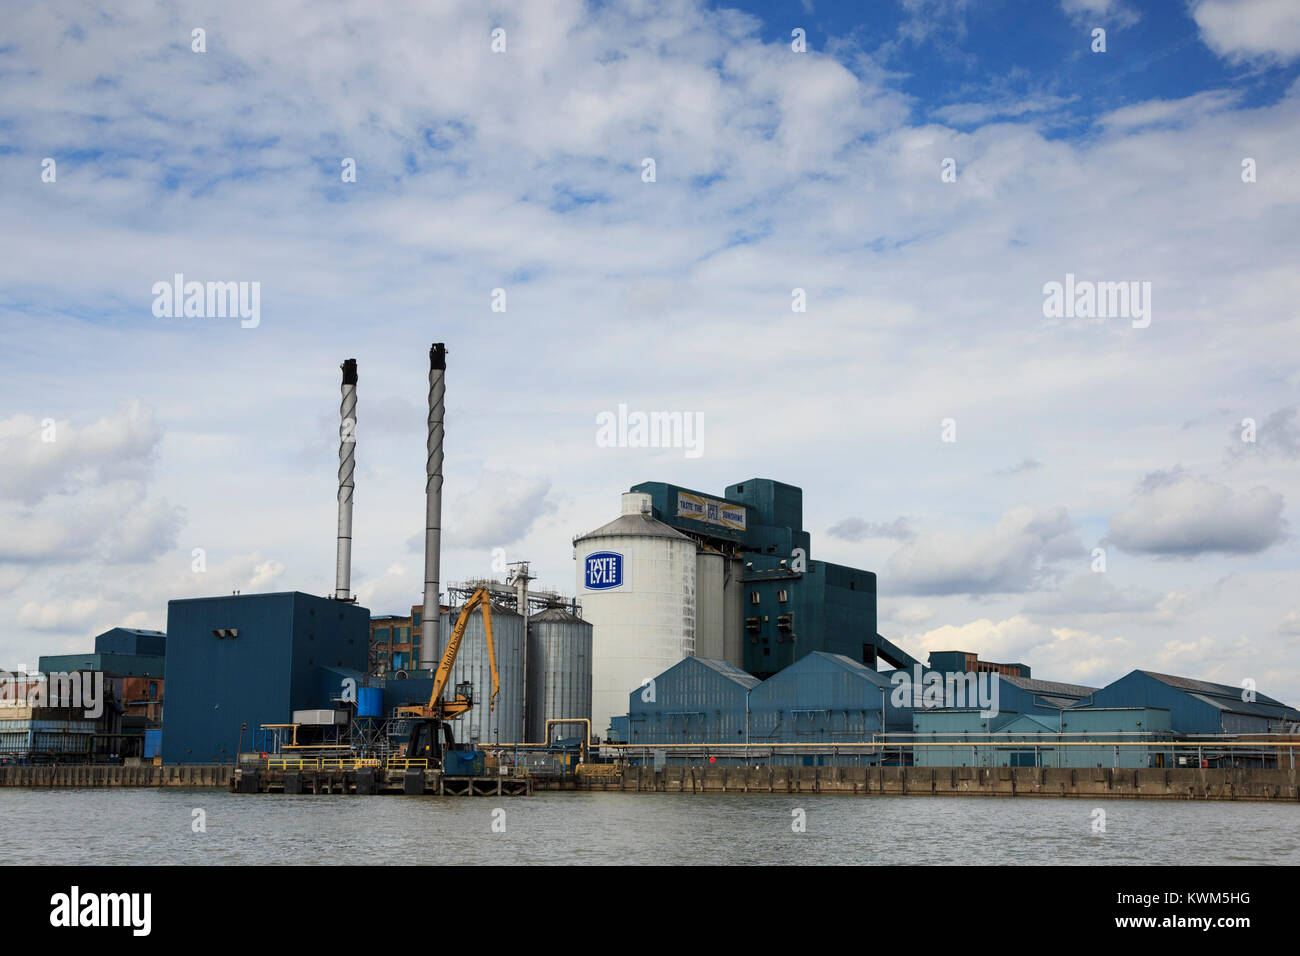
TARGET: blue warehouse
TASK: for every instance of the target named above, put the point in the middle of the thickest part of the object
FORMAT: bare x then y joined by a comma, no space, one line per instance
239,661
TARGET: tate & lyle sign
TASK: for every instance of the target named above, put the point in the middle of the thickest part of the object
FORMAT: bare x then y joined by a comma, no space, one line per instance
604,570
710,510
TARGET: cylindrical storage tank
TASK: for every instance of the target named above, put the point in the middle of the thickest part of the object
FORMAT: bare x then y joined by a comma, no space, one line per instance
505,723
636,580
710,569
733,613
559,672
370,702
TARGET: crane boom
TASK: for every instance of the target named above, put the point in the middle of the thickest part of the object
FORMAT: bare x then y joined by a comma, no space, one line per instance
437,708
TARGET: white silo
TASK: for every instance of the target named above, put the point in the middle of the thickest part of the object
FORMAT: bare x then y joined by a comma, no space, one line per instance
710,633
733,613
636,581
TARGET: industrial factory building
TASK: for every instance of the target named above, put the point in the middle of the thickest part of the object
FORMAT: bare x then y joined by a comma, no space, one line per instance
824,698
680,573
967,738
698,621
1200,707
239,661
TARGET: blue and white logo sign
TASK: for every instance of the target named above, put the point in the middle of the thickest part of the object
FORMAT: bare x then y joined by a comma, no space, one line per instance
604,570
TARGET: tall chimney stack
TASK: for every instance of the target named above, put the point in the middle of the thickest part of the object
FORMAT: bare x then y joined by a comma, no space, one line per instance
431,617
347,468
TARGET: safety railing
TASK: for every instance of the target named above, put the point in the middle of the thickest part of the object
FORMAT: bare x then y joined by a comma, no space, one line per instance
404,763
322,763
349,763
293,763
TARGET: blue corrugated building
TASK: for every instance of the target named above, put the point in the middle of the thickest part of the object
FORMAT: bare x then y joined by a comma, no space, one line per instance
956,737
252,659
824,698
132,640
1027,695
696,701
119,665
120,651
1199,707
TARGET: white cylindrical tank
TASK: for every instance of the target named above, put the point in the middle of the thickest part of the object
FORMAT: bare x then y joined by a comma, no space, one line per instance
559,672
636,581
710,569
504,723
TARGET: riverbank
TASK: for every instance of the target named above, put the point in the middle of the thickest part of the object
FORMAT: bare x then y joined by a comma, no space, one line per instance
112,775
1281,786
1173,784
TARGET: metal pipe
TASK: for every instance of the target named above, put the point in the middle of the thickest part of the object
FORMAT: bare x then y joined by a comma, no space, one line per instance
347,469
431,616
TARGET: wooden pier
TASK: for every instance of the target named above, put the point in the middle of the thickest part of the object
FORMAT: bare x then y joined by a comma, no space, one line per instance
371,781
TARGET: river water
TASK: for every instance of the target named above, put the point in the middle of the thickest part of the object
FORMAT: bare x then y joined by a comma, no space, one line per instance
159,826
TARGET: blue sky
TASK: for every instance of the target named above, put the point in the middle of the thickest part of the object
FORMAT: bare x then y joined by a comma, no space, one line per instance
776,171
950,53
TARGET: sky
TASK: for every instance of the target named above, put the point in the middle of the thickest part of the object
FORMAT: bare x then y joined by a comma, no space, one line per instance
1085,491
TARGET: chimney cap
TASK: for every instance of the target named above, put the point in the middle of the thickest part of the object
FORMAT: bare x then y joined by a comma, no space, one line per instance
438,355
349,367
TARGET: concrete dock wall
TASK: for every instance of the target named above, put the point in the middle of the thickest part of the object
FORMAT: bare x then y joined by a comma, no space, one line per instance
1172,784
195,775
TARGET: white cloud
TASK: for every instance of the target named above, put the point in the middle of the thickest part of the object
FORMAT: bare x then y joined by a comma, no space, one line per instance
1053,653
1174,514
976,113
45,456
85,494
856,529
500,510
1102,13
1017,554
1250,29
1092,593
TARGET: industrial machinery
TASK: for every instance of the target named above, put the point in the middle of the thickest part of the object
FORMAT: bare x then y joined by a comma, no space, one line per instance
431,733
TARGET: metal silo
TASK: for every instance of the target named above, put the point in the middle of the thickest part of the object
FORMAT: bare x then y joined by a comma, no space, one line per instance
636,580
505,723
710,569
733,613
559,672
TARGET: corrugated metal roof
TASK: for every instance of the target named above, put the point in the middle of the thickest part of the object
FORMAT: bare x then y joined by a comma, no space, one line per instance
731,672
1042,721
557,615
1256,708
1052,687
1211,689
638,525
854,667
1063,703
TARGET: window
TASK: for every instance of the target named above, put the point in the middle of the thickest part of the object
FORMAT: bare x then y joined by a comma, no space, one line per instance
753,597
782,595
153,688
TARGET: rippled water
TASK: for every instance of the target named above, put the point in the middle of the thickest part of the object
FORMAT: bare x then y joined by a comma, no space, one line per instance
155,826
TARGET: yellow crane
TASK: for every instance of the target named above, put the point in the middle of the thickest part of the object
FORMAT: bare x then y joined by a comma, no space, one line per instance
428,719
